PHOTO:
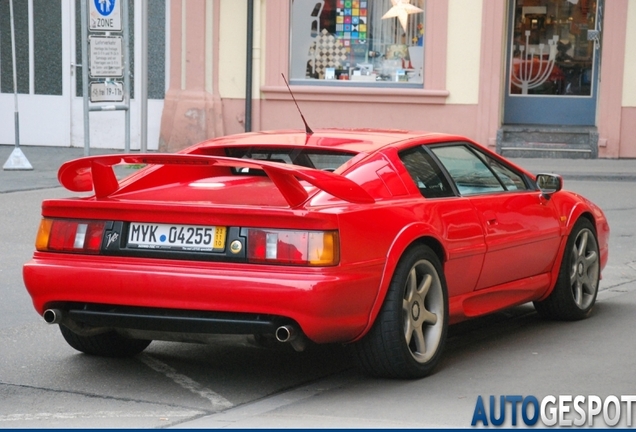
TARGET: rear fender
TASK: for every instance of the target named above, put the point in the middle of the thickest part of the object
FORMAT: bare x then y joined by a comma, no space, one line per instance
408,236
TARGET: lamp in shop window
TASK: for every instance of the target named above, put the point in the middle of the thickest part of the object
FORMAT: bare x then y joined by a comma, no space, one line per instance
401,9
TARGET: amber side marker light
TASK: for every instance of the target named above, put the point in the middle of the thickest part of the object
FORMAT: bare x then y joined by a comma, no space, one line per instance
69,235
309,248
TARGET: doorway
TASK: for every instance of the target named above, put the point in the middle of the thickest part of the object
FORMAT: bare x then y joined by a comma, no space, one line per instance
553,62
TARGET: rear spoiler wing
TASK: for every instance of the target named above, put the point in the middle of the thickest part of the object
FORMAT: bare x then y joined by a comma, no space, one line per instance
96,173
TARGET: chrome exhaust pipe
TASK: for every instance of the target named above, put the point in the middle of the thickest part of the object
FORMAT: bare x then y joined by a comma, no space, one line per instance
52,316
291,334
286,333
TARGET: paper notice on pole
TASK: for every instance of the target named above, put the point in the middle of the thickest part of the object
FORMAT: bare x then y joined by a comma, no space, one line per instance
106,58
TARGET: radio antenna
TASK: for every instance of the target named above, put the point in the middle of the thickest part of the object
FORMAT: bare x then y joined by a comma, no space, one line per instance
308,130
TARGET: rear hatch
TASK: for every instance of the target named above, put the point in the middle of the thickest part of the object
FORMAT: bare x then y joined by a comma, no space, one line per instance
198,207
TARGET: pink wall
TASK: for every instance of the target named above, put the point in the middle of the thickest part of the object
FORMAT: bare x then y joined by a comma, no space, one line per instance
611,87
191,114
627,133
282,114
491,76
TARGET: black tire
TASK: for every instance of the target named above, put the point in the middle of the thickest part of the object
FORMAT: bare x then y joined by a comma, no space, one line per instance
576,288
110,344
409,333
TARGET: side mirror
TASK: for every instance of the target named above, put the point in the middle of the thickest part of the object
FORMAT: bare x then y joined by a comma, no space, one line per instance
549,183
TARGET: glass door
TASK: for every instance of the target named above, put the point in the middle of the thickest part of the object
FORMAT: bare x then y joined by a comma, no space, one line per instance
553,62
43,76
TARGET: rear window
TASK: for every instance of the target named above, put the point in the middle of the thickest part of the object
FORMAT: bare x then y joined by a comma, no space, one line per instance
312,158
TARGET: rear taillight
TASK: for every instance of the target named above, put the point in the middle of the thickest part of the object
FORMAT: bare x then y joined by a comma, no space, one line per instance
68,235
312,248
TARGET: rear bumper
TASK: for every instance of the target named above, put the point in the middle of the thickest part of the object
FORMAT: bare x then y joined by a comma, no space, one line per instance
330,304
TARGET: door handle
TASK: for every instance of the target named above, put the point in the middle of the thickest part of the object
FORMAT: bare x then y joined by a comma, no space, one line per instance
490,217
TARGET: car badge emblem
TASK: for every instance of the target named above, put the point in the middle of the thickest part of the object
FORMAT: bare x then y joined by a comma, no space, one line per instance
111,238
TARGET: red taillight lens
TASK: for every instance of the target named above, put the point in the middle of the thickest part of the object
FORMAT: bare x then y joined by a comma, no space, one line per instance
313,248
66,235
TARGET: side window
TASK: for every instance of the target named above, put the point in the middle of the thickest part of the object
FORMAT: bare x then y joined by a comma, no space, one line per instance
469,172
426,174
510,179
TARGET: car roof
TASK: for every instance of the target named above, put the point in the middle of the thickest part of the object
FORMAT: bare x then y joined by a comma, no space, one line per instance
351,140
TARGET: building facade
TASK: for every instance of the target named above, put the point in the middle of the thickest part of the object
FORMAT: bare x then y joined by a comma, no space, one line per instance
525,77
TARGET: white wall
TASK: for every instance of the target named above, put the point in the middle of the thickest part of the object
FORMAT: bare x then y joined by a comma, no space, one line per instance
629,76
464,48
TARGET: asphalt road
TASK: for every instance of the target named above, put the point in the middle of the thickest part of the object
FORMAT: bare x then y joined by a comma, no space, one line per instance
233,383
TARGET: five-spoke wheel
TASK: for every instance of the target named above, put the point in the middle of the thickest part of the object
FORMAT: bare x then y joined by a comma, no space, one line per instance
584,268
575,291
408,335
423,310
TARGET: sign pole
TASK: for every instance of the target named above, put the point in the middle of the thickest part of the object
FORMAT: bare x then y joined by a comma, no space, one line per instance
126,25
17,160
143,81
106,61
85,66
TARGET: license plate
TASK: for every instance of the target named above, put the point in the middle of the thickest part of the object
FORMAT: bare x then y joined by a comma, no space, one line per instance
195,238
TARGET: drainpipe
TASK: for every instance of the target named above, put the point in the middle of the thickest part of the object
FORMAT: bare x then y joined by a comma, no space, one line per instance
248,66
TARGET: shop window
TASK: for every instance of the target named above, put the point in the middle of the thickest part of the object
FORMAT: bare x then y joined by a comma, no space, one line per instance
357,42
553,47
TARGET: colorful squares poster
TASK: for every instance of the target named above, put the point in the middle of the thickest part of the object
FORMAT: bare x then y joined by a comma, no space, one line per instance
353,14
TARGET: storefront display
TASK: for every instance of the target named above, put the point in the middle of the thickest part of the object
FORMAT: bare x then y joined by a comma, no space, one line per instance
374,42
553,47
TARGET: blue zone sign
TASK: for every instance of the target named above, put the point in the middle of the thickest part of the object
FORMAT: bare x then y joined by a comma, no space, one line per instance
104,15
105,7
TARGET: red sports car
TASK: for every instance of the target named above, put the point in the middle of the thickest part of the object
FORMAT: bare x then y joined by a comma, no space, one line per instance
375,238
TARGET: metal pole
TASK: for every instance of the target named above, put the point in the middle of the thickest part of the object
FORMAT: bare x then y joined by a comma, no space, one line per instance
143,79
126,25
248,66
85,94
17,160
15,79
